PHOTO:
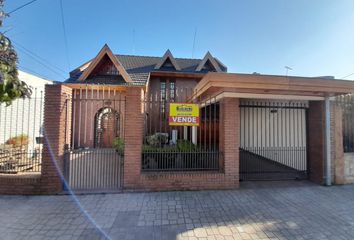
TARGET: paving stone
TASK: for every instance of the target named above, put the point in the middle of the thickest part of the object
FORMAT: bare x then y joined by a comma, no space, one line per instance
200,232
297,210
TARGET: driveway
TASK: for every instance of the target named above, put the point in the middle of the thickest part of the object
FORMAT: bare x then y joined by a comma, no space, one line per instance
283,210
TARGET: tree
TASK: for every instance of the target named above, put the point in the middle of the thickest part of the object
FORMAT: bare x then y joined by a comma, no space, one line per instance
11,87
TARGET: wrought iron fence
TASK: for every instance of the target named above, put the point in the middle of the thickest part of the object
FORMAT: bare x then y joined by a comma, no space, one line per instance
180,148
176,160
21,134
347,104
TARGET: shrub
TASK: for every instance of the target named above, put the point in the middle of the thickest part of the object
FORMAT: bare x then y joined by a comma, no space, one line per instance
182,146
18,140
118,144
157,140
186,146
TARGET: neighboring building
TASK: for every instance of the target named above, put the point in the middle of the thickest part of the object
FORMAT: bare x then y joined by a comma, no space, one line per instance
25,116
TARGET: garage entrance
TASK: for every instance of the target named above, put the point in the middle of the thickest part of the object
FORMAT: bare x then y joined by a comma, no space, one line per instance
273,140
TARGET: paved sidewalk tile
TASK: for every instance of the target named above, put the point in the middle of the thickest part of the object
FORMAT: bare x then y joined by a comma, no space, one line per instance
286,210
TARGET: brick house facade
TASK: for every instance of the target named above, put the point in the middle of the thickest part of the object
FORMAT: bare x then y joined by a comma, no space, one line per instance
127,97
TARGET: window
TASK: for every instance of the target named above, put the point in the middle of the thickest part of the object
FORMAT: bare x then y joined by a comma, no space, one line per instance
167,94
163,98
172,91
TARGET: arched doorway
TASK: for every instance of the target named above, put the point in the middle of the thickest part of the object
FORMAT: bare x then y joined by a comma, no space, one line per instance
106,127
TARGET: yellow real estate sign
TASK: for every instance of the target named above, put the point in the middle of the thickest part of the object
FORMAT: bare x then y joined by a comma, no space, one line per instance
184,114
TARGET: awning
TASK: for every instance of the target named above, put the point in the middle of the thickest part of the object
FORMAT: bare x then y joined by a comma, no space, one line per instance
269,86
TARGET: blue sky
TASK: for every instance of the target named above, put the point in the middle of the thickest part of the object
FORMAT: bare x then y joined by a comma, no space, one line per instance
314,37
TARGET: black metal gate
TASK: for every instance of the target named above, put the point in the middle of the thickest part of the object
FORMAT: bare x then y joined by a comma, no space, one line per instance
273,140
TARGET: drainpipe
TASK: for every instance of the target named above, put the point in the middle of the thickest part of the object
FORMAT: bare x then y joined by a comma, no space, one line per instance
328,142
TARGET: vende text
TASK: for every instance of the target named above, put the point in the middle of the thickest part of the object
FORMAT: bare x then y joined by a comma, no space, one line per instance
185,119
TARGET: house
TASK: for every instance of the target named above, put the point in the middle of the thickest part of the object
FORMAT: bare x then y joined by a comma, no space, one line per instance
20,112
272,114
164,79
110,126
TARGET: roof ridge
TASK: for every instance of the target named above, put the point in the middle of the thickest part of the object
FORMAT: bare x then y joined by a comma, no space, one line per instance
189,58
130,55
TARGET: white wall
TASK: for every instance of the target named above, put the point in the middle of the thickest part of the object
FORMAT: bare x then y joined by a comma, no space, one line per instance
24,116
275,133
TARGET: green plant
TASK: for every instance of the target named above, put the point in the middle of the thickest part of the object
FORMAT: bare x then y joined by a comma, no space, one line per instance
118,144
157,140
11,87
186,146
18,140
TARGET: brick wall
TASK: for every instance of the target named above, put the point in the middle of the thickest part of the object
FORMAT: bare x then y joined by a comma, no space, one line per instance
133,135
24,184
55,122
316,141
56,117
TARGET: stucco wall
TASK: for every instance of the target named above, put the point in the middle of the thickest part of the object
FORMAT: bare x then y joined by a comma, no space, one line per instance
24,116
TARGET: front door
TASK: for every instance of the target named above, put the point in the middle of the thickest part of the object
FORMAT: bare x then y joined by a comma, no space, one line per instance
108,130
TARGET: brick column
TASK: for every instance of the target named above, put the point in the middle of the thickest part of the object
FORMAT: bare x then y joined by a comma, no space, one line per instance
230,138
337,145
56,121
133,137
316,141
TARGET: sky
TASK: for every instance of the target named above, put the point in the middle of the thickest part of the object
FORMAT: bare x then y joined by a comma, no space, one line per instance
314,38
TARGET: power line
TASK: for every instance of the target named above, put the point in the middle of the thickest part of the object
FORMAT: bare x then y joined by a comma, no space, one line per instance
347,76
64,31
133,41
195,35
33,72
42,63
22,6
39,57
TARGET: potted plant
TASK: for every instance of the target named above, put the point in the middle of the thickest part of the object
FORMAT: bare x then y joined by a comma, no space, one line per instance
118,144
19,140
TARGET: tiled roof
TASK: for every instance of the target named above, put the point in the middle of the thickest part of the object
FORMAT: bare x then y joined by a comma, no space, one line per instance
139,68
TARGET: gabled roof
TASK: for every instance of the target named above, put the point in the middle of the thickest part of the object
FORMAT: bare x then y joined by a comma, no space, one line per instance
138,69
168,56
212,61
105,51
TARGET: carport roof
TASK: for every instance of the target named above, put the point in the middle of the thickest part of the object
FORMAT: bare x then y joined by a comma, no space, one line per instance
239,85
